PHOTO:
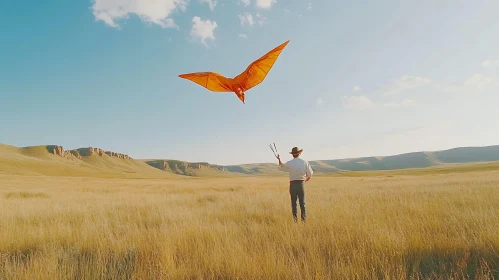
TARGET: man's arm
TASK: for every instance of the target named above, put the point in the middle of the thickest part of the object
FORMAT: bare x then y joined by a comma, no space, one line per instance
282,166
309,172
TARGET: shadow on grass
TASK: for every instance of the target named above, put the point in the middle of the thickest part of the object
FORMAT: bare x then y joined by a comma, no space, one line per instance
89,264
73,263
471,263
26,195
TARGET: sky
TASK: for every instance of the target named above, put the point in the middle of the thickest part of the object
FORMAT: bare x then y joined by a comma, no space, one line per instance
358,78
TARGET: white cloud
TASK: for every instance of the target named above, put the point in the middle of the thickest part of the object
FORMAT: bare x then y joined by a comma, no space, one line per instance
309,7
488,63
243,36
319,101
287,10
360,102
405,83
265,4
152,11
478,81
261,19
211,3
475,83
246,2
404,103
246,18
451,88
356,88
203,29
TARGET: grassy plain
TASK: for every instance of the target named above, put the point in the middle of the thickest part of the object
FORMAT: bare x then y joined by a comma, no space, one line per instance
371,225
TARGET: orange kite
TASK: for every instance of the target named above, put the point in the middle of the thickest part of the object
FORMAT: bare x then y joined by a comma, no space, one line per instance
254,74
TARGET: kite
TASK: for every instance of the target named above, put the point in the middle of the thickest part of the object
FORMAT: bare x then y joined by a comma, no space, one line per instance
254,74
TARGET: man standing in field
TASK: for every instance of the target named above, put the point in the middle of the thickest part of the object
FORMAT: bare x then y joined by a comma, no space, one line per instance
299,173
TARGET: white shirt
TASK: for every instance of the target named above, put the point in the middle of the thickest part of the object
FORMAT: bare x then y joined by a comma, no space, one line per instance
298,169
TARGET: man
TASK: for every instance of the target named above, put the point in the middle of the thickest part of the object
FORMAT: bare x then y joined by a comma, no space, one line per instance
299,173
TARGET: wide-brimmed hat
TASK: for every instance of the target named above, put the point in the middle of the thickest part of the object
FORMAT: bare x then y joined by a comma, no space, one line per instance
296,151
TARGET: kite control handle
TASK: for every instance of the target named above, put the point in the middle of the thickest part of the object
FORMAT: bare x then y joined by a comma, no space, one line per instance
274,150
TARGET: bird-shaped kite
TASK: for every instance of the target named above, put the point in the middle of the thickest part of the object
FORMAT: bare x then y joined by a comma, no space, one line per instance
254,74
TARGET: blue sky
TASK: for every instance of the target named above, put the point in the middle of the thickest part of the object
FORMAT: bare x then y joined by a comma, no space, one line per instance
358,78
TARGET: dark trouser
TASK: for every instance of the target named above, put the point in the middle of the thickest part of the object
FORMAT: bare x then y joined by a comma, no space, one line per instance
297,191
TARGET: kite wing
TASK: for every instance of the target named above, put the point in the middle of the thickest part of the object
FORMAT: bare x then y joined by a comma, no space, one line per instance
210,80
256,72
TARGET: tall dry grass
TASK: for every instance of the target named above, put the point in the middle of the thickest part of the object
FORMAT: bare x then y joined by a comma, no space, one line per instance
401,227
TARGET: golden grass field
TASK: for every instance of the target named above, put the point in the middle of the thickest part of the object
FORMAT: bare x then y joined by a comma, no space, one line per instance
421,225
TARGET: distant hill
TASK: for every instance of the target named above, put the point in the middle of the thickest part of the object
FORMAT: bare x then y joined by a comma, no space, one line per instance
197,169
402,161
468,154
410,160
53,160
255,168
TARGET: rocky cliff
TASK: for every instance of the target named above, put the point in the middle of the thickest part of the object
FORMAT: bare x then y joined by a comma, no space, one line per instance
90,151
59,151
117,155
83,152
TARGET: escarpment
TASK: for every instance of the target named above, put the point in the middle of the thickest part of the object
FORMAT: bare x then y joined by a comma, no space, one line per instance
90,151
59,151
83,152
